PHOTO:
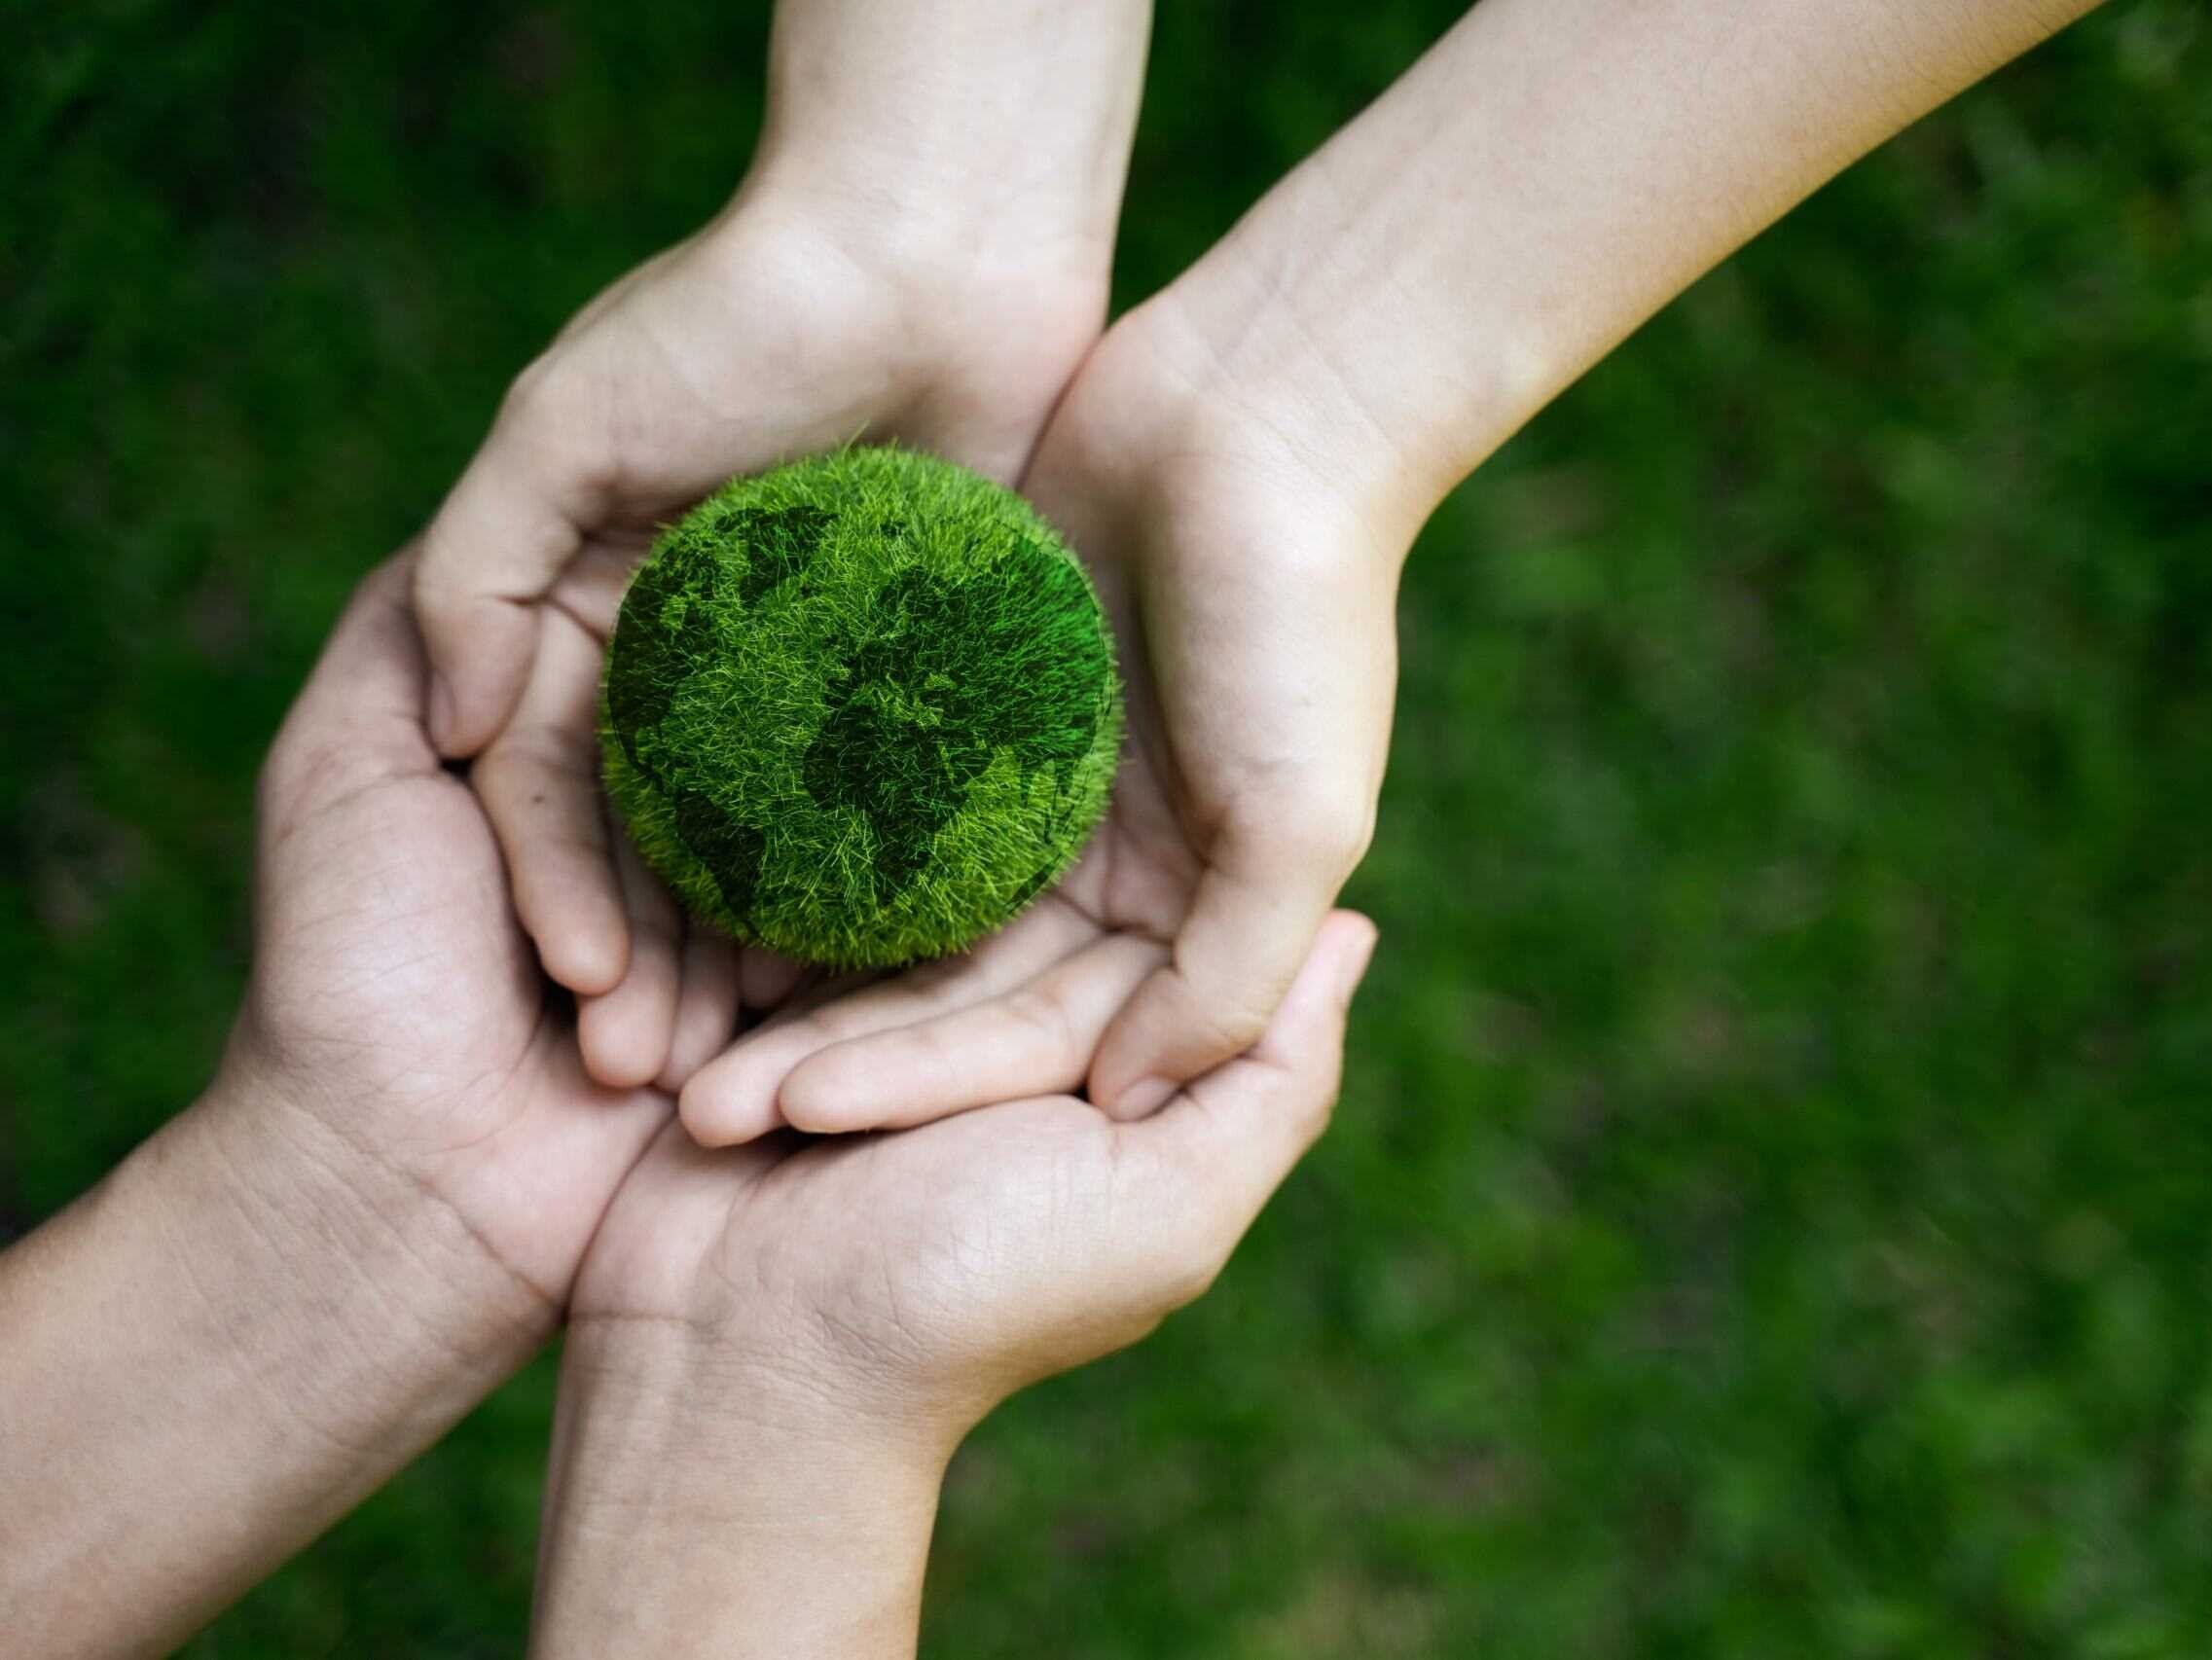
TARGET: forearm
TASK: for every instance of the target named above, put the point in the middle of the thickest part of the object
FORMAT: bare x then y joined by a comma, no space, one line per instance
987,130
1551,173
211,1357
695,1510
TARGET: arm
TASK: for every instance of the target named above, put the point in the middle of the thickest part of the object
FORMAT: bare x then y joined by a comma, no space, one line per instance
919,252
994,138
1246,459
775,1350
377,1213
1546,177
698,1508
214,1355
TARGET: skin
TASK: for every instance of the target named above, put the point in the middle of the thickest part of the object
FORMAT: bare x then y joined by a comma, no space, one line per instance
1246,459
402,1181
385,1201
919,252
374,1213
775,1348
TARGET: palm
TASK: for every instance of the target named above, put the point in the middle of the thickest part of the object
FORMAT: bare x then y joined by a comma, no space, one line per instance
931,1272
1258,680
394,994
945,1241
747,345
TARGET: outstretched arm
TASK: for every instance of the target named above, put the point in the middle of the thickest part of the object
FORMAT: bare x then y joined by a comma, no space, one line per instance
1546,177
374,1215
1246,459
1538,185
211,1357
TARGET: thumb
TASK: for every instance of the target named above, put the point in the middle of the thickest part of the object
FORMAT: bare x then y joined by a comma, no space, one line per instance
1252,920
1224,1146
358,720
507,530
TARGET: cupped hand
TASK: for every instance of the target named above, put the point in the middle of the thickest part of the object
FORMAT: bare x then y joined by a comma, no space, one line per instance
396,1018
901,1284
1253,594
777,331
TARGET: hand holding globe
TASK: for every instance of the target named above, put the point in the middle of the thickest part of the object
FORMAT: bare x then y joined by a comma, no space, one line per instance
860,709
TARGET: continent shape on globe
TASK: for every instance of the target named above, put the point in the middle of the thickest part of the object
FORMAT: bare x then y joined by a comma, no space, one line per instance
861,710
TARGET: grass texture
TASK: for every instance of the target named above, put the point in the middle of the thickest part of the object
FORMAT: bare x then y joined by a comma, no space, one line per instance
863,708
1767,1211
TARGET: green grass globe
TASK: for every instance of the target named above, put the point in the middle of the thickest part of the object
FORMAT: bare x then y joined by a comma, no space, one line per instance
860,709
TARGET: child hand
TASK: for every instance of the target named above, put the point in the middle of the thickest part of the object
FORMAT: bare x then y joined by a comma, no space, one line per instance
768,335
1254,603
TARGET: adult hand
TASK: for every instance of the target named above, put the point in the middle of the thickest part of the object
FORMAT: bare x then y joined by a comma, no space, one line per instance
395,1011
1253,595
775,1349
921,253
373,1216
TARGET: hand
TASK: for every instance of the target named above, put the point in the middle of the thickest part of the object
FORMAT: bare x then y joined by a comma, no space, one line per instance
1246,462
1254,597
371,1218
395,1013
947,312
775,1349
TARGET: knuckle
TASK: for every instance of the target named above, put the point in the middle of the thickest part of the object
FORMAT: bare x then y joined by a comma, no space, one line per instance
533,756
1043,1016
535,398
1226,1024
554,422
1307,823
1193,1276
1316,1112
1329,829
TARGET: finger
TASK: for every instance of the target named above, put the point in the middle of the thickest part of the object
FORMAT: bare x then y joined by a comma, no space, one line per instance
733,1098
625,1034
707,1008
359,717
511,524
1218,1151
1251,925
1036,1040
539,785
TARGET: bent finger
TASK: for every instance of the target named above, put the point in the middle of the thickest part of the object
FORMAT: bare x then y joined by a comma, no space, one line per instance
625,1033
734,1097
509,525
1218,1151
706,1009
1241,945
1035,1040
360,715
539,783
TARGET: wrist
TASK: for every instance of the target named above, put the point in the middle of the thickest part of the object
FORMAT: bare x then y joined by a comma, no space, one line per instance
959,269
702,1502
1302,367
1190,414
370,1299
996,137
212,1356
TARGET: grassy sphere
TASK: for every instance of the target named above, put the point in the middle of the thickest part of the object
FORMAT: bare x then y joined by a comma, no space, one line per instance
860,709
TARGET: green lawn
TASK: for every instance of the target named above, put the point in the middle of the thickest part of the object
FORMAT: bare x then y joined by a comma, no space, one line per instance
1768,1214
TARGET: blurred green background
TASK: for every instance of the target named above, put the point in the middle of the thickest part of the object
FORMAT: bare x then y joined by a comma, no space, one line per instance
1769,1210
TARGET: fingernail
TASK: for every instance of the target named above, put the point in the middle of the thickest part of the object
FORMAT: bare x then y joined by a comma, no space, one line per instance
440,714
1143,1098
